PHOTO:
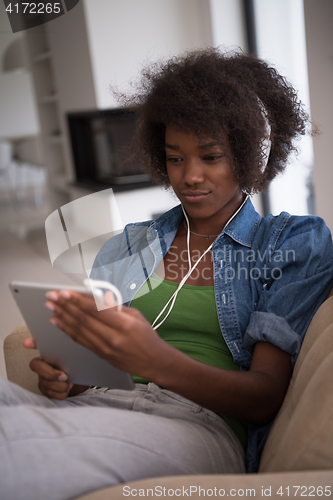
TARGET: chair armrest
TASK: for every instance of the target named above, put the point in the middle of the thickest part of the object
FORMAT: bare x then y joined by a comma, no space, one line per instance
17,359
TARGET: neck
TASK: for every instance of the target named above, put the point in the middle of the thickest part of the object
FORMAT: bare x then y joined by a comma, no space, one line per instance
214,225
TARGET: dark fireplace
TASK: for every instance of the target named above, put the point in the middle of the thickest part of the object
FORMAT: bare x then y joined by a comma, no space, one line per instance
101,147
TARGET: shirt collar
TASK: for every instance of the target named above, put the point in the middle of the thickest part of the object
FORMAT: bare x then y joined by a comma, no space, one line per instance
244,226
241,229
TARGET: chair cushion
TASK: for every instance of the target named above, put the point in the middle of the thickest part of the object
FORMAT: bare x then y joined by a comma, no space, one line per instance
302,435
220,485
321,320
17,359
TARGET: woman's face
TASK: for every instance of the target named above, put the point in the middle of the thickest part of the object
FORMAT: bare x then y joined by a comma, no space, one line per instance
201,176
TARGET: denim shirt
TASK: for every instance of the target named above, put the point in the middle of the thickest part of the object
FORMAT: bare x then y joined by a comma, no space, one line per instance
270,275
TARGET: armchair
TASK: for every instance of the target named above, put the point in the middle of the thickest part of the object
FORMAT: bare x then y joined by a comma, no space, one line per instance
297,459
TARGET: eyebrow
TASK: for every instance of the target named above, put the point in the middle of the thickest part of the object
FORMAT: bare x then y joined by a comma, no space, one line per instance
201,146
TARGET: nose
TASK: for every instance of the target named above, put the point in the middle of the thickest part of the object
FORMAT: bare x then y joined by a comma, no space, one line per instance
193,172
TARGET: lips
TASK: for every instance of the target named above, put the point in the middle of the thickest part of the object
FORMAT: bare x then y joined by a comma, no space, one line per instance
194,196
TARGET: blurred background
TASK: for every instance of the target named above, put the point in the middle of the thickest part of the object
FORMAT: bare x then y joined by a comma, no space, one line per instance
62,134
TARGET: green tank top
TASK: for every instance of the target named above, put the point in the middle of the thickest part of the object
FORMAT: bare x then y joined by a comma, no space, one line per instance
192,327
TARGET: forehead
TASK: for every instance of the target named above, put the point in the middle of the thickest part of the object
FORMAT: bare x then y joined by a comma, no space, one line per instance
175,137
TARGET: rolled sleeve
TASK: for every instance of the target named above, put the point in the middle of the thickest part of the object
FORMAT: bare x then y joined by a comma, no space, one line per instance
295,287
268,327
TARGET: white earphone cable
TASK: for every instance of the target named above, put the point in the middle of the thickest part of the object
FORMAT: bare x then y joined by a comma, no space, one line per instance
191,269
188,240
174,296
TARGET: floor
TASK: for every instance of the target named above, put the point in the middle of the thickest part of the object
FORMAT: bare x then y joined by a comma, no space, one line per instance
23,252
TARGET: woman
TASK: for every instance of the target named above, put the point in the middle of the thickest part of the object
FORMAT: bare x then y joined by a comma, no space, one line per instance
217,299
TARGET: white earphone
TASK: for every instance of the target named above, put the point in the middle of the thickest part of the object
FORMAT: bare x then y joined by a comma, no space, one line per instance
191,269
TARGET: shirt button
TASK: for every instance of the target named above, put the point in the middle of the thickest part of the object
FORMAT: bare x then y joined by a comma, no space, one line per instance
132,286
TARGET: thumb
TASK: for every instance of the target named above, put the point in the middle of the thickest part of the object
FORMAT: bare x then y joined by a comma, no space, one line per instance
29,343
109,299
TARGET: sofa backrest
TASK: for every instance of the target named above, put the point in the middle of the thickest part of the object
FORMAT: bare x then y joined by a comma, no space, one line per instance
301,437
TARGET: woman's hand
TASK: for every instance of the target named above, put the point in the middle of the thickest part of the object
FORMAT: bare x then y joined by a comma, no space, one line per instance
52,383
123,338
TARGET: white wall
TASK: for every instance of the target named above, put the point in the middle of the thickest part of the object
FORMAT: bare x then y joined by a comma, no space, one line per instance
229,32
319,38
67,37
143,204
124,35
228,24
68,40
281,42
17,107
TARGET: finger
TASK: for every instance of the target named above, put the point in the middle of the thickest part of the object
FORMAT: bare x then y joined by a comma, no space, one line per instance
71,302
93,338
82,303
68,318
78,319
62,299
82,322
100,333
85,300
59,387
109,299
29,343
46,371
85,329
55,395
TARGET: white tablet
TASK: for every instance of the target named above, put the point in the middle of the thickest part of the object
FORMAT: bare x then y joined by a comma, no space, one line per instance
58,349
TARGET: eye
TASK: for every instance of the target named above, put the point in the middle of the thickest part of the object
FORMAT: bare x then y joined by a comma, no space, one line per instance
173,159
213,157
